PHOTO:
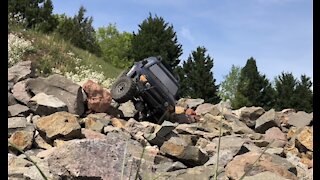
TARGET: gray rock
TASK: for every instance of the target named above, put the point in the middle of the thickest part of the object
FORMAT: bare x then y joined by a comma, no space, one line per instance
266,175
190,103
21,71
198,130
65,161
62,88
11,99
277,135
189,139
300,119
213,124
302,169
266,121
249,115
21,93
170,166
189,155
199,172
273,163
205,108
43,104
229,147
19,124
18,109
41,143
128,109
238,126
20,168
275,150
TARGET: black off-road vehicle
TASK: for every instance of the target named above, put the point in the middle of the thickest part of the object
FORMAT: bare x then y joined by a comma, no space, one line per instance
151,87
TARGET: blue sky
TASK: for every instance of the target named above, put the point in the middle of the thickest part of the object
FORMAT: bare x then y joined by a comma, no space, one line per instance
277,33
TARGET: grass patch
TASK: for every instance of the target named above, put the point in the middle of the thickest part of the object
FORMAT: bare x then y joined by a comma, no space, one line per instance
51,51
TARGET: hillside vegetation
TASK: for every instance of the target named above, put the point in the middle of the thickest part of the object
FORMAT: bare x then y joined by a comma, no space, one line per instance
52,54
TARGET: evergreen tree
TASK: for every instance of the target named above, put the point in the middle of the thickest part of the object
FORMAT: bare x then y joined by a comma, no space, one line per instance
79,31
303,96
285,88
196,77
28,9
156,37
253,89
37,13
47,22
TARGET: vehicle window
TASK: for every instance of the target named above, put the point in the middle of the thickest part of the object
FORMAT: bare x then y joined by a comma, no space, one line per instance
163,77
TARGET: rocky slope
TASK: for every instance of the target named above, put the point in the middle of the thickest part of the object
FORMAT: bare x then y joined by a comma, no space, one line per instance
70,137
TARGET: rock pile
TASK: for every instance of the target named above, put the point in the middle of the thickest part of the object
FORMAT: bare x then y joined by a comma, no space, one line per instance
47,120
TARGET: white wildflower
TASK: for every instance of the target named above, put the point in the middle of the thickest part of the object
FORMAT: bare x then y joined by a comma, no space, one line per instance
17,46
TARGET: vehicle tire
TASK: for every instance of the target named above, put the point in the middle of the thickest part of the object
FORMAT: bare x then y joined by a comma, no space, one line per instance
123,89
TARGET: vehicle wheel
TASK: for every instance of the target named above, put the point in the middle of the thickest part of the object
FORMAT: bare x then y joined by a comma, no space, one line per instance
123,89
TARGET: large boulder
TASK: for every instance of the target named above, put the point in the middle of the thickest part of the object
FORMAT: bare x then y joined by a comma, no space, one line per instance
59,124
99,158
305,139
300,119
20,92
230,146
277,135
43,104
189,155
98,98
62,88
212,123
273,163
249,115
238,126
190,103
21,71
159,133
266,121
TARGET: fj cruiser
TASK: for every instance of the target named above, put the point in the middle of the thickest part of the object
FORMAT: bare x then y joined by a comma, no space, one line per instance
150,86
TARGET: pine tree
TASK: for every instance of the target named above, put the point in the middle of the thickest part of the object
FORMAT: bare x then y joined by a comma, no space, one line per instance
156,37
253,89
303,95
79,31
47,22
285,88
196,77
